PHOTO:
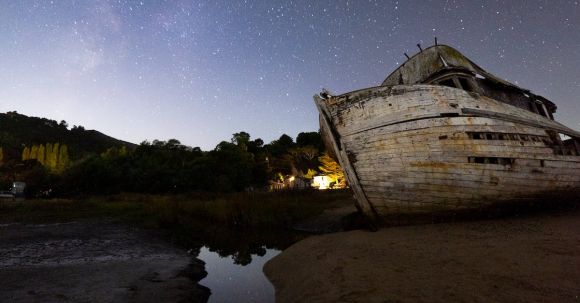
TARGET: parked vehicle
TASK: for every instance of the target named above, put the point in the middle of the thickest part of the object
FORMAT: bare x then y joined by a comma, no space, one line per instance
17,191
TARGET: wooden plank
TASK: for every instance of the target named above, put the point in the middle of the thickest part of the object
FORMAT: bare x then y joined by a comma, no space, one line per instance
484,176
403,155
350,173
373,113
522,120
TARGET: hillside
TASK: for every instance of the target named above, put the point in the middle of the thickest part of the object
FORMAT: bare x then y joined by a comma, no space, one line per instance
17,131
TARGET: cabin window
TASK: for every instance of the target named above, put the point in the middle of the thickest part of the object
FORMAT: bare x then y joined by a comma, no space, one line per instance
465,84
479,160
510,137
564,137
462,82
571,146
562,144
475,136
532,107
447,82
491,160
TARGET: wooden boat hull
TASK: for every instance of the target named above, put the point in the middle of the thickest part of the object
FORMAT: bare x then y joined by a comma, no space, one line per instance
429,149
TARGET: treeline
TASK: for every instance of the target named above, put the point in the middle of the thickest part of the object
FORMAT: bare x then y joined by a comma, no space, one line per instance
17,130
242,163
52,156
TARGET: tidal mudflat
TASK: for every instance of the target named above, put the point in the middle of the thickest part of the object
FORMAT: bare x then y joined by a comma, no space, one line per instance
94,261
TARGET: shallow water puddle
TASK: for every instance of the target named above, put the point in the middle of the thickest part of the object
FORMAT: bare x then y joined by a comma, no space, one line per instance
238,279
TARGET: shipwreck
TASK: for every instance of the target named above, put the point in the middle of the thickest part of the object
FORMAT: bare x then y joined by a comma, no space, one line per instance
440,135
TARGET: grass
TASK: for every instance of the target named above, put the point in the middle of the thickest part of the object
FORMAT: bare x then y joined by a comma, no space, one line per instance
232,224
60,210
278,210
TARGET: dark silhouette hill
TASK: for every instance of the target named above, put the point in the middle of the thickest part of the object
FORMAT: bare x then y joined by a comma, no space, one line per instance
18,131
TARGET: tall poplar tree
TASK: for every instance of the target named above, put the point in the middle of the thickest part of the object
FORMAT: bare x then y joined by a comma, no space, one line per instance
34,152
52,157
26,153
41,154
63,159
47,154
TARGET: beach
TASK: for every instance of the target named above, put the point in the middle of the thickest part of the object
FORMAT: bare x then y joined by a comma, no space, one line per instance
533,258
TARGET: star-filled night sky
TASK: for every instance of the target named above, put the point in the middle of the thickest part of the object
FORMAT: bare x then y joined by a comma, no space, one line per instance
199,71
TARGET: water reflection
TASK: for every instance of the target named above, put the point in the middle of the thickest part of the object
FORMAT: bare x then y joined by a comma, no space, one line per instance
245,245
235,257
238,278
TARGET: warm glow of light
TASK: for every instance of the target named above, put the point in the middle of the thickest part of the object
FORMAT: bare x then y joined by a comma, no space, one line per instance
291,179
322,182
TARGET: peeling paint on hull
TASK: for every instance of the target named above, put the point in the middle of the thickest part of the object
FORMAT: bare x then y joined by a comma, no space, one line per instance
411,149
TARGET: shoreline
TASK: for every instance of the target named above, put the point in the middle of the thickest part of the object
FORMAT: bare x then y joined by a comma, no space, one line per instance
530,258
96,260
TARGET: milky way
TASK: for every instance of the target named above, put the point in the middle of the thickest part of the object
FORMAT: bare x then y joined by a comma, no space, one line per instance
199,71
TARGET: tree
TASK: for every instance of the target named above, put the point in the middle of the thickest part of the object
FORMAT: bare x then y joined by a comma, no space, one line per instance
279,147
41,154
173,144
331,169
63,160
241,139
33,152
285,141
1,155
52,155
310,174
232,167
308,152
92,175
302,159
26,153
310,139
114,153
47,155
37,178
63,124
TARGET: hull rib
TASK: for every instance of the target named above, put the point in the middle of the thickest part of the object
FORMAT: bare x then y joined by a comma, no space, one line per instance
365,206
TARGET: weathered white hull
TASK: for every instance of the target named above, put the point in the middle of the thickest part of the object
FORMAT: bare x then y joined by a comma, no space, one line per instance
427,148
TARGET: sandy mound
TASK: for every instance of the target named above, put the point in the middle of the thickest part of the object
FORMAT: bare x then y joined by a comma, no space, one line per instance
533,259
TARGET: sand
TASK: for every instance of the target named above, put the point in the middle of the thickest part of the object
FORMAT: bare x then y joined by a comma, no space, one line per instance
531,259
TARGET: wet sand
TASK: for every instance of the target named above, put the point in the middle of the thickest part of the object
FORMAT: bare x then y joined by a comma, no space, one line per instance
94,262
531,259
